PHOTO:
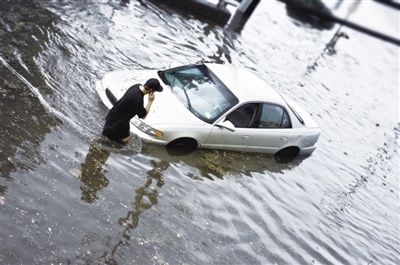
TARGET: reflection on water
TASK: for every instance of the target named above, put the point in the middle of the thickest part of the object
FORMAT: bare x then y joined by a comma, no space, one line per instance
328,50
330,46
92,172
222,54
146,196
293,10
92,175
211,165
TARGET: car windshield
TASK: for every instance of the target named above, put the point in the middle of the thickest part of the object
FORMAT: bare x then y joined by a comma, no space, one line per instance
200,91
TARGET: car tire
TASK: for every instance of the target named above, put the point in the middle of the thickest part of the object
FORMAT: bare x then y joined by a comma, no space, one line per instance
182,146
287,154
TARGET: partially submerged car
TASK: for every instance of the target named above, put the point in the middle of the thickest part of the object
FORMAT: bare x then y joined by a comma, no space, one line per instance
218,107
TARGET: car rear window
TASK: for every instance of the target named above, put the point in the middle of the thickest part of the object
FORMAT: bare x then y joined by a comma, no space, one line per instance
273,116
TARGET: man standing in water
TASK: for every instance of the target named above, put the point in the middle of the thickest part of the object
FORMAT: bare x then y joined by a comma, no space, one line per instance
116,127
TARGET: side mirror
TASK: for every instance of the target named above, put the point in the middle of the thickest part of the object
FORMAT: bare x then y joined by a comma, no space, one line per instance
226,125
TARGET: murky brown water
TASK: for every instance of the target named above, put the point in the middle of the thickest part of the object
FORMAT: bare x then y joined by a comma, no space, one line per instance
68,198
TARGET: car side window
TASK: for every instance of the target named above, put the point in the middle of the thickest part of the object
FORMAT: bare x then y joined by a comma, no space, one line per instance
274,116
244,116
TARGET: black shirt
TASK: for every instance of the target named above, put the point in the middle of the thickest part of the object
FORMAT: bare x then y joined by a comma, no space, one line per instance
117,120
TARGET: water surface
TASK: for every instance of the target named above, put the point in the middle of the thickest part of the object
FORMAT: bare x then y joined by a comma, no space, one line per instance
66,197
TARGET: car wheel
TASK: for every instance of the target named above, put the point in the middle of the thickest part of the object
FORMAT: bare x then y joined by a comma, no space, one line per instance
287,154
182,146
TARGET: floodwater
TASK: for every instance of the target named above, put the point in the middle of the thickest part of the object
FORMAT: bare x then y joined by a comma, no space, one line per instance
68,198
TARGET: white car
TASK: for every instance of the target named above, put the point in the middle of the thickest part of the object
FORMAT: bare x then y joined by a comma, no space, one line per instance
218,107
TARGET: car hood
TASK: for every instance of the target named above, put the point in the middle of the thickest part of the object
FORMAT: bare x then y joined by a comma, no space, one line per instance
168,110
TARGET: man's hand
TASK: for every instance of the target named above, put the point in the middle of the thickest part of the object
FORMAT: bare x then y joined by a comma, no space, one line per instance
151,96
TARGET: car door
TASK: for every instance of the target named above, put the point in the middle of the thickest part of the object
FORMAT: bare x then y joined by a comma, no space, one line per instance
272,129
238,139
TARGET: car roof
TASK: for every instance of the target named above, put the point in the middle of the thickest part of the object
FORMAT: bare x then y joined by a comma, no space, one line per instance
245,85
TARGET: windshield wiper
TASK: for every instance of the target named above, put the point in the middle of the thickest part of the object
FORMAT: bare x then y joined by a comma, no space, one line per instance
184,91
173,82
187,98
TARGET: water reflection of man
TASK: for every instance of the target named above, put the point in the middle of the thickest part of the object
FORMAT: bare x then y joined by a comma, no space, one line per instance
92,174
145,198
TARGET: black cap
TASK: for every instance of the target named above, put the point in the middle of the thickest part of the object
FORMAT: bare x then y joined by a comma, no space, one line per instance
153,83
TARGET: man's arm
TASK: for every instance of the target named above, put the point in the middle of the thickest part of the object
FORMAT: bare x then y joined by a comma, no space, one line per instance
150,100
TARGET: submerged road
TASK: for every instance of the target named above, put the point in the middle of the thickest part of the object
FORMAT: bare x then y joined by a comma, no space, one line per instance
66,198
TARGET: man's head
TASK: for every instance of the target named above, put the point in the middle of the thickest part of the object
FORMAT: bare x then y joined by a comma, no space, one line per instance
153,85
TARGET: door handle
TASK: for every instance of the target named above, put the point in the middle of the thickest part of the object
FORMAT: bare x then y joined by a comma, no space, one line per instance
245,137
283,138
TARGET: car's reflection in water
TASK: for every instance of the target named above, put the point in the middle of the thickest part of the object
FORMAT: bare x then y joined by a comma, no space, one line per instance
295,10
210,164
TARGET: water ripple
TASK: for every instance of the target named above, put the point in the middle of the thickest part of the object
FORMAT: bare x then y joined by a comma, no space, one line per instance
71,197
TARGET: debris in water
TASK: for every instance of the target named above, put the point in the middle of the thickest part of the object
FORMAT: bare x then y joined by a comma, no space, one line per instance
2,200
